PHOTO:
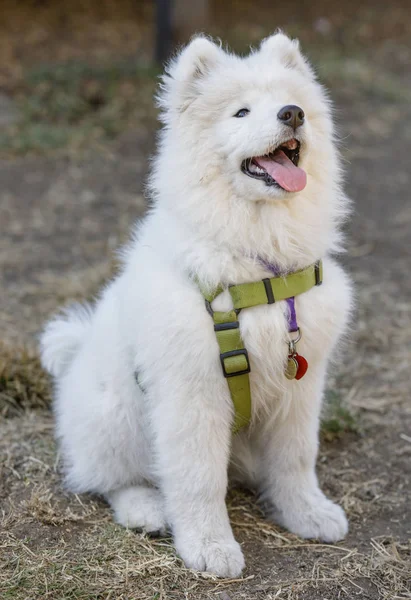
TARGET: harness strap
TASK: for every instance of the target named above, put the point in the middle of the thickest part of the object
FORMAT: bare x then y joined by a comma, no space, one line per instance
275,289
233,356
235,365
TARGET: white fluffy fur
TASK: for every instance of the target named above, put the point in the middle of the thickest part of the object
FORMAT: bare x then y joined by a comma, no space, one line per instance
161,457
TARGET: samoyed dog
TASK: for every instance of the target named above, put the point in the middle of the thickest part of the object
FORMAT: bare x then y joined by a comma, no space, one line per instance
246,184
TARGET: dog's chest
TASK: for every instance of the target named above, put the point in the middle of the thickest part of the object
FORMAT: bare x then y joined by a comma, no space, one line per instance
265,333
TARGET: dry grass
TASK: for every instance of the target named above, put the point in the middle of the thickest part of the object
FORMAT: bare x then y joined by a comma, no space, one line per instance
113,563
23,383
58,546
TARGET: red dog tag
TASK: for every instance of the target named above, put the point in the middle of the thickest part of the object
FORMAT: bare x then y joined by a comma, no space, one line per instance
302,366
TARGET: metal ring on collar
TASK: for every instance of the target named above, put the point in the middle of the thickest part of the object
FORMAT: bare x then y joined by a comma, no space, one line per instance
292,343
298,338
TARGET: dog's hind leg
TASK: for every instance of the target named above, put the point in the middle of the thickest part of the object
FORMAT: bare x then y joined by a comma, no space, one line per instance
139,507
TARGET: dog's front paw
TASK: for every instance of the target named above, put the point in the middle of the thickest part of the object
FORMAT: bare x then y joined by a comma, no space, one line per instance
222,557
317,518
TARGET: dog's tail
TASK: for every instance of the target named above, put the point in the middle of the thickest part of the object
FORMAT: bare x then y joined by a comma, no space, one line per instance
63,336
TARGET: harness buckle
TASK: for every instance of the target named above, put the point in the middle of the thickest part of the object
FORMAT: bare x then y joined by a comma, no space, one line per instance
241,352
269,291
225,326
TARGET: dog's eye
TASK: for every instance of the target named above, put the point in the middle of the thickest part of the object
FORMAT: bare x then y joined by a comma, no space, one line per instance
242,113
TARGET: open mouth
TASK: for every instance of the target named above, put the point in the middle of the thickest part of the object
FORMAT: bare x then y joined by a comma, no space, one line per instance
278,168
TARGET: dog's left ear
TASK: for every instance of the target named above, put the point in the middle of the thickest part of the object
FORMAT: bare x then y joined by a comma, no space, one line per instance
187,72
287,50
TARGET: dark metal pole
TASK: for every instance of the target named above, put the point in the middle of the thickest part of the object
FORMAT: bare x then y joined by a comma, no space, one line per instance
164,29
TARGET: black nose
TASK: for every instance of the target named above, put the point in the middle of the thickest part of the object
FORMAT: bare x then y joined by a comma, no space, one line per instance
291,115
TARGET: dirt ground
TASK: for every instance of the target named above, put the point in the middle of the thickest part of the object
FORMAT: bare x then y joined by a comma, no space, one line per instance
62,214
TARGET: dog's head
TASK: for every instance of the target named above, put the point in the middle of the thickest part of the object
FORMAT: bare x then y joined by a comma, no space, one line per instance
260,123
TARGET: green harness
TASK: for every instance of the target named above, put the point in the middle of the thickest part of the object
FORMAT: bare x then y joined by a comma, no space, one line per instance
233,356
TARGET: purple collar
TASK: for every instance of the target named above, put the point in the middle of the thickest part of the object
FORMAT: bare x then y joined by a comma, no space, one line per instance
292,316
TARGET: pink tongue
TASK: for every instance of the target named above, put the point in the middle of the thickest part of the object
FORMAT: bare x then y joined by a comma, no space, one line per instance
284,171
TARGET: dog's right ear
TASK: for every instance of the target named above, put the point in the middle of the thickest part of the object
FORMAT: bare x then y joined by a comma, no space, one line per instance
186,73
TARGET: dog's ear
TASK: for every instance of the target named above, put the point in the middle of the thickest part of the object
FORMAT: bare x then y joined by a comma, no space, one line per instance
196,60
186,72
287,51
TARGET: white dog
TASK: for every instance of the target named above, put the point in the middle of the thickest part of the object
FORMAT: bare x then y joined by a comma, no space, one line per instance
246,185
